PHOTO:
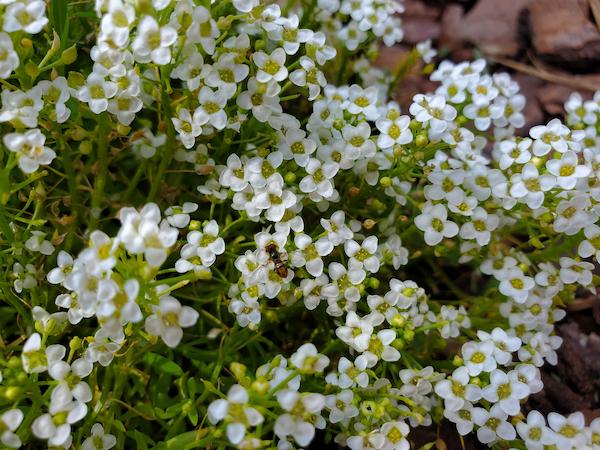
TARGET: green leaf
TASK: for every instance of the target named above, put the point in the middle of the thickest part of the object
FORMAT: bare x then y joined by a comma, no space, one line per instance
140,439
163,364
58,16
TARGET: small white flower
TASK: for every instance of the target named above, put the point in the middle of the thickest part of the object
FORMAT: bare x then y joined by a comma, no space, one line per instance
426,52
479,357
433,221
27,16
364,254
38,243
567,170
568,431
9,60
506,391
30,149
301,417
70,375
534,431
457,390
55,426
236,413
310,254
530,186
9,422
270,67
168,319
153,42
549,137
493,425
341,406
309,75
99,440
96,92
179,216
308,360
516,285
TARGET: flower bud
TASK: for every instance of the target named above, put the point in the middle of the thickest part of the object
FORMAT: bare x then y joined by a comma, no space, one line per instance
69,56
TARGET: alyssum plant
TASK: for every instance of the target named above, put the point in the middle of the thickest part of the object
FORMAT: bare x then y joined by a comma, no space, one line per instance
218,232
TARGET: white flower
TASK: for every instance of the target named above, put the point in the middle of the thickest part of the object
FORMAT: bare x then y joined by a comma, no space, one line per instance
379,347
341,406
348,375
572,271
567,170
337,230
309,76
38,243
96,92
318,182
505,344
203,29
393,132
309,253
179,216
9,60
432,111
236,413
205,245
261,98
9,422
506,391
308,360
358,140
168,319
493,425
426,52
117,20
516,285
56,93
480,226
363,101
30,149
270,67
225,74
124,106
99,440
25,277
457,390
479,357
27,16
512,151
55,426
433,221
141,232
70,375
568,431
590,246
35,359
211,108
549,137
395,434
153,42
296,146
301,417
530,186
534,431
363,254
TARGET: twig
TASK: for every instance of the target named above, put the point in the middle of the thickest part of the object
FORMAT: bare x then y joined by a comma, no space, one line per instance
573,81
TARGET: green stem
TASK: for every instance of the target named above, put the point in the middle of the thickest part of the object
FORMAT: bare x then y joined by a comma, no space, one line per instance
100,181
169,149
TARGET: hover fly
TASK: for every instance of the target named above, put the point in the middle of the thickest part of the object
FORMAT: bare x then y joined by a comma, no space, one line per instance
279,263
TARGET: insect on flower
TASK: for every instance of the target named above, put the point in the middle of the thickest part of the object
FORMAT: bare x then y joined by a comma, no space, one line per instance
276,257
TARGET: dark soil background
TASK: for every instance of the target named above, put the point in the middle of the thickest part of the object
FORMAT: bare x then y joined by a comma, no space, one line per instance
551,48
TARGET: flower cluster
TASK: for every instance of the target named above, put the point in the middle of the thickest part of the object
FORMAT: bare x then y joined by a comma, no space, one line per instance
218,230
